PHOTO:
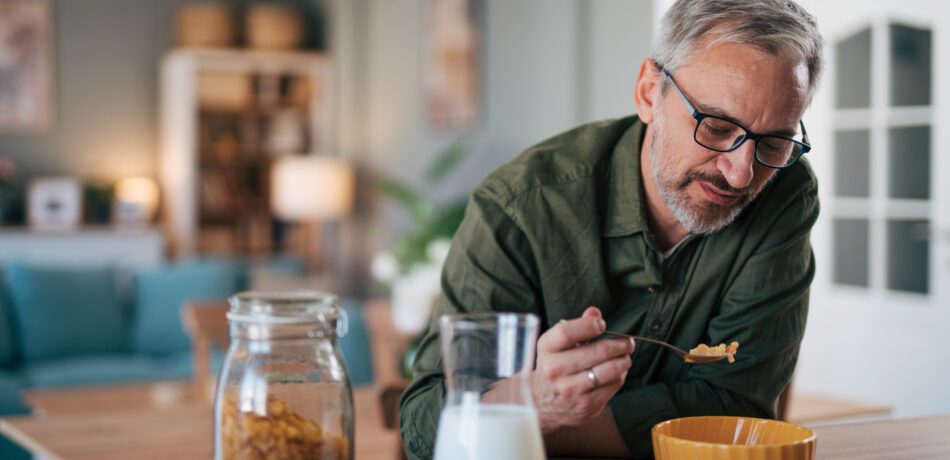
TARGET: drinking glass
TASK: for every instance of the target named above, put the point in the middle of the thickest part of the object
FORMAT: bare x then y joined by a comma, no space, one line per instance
488,409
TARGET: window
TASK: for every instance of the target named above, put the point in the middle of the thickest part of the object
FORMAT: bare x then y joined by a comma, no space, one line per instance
882,158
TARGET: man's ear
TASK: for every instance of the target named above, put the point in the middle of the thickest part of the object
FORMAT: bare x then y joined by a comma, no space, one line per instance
646,92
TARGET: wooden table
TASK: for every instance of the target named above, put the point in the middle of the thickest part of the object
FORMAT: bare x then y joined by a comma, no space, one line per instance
161,421
808,408
180,431
900,439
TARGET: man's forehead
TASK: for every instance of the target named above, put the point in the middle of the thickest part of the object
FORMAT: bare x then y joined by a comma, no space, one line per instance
746,85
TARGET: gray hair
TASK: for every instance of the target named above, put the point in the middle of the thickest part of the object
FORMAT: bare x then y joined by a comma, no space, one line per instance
779,27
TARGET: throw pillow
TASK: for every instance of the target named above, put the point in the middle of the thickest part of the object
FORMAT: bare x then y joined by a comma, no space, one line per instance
160,293
66,311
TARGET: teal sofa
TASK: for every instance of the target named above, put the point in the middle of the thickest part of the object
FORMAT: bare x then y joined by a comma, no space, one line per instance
103,325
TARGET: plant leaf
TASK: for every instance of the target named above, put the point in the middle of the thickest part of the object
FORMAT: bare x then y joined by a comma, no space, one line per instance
444,163
446,221
418,206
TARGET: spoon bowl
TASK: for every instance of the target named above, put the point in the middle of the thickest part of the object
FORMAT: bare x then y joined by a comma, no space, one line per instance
683,354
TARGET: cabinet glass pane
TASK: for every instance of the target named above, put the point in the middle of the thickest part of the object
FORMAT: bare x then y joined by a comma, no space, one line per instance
910,65
851,251
908,258
853,67
852,163
909,163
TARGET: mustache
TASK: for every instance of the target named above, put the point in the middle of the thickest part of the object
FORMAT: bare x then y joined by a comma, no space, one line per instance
716,180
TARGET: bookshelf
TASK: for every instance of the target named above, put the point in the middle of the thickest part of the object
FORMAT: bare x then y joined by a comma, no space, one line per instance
227,116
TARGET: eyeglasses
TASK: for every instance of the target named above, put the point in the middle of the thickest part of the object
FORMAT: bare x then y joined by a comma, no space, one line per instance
722,135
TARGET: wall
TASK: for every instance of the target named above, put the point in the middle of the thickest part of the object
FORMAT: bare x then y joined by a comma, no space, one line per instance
106,67
548,65
905,331
106,88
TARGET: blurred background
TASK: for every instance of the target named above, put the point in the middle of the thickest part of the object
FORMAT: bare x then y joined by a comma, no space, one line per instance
332,144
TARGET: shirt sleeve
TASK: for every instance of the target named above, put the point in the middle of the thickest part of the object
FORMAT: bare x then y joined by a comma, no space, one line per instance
489,268
764,308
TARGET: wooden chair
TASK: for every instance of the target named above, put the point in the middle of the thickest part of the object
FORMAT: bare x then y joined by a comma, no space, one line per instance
207,327
781,409
387,345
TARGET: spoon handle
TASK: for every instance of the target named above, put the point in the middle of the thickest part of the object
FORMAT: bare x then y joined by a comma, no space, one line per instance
676,350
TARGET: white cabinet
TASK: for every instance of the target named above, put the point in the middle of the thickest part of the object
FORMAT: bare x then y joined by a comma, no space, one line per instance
226,115
129,248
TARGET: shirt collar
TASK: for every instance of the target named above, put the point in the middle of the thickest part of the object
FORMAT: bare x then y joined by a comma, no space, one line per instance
625,209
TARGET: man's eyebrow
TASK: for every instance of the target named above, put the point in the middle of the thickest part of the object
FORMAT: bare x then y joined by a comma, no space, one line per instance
721,113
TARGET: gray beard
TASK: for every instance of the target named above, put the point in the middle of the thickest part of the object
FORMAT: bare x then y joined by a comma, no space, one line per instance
697,219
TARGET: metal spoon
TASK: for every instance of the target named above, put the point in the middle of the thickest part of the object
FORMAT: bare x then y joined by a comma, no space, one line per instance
684,355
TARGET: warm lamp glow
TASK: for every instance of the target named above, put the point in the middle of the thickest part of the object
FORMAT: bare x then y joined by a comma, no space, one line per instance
141,192
311,188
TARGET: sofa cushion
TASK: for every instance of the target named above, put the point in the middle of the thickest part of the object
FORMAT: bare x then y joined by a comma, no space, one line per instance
7,339
159,294
11,400
105,368
63,312
355,345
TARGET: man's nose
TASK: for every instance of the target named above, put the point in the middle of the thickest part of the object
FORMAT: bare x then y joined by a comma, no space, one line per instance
737,166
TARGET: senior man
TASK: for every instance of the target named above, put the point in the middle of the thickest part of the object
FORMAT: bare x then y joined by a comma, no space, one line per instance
688,222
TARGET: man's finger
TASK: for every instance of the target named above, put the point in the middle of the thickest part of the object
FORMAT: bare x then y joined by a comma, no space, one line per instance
605,375
613,371
586,356
567,334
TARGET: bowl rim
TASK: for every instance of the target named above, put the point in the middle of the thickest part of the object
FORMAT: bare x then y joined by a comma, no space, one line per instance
813,438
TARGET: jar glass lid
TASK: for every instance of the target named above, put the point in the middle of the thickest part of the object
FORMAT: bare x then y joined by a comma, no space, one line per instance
292,307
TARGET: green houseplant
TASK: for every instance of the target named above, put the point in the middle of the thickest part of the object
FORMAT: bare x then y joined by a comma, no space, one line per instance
412,265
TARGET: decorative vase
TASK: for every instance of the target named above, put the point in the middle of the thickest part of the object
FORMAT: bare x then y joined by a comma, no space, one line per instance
205,25
273,27
414,296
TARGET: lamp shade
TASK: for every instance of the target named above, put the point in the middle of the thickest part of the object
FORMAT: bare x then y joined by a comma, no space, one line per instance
311,188
140,192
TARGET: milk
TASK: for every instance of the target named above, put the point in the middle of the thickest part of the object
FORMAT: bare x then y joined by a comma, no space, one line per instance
489,431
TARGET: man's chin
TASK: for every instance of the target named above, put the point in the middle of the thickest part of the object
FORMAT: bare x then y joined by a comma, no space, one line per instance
708,217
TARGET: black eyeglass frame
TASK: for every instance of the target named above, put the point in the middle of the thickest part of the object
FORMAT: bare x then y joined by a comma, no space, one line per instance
700,116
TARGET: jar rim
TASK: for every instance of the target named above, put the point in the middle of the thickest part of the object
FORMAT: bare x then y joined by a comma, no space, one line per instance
284,307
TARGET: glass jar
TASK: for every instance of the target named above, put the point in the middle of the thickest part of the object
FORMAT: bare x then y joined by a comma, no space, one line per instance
283,392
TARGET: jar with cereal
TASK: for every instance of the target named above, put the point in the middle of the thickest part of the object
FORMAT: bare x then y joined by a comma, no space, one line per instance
283,392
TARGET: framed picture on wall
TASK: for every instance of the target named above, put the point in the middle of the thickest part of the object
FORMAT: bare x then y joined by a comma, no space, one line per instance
26,66
452,45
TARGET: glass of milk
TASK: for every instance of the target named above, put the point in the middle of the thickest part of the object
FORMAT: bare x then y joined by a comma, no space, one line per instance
488,411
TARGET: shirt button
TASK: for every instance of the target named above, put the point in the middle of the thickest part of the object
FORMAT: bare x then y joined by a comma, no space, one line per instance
656,325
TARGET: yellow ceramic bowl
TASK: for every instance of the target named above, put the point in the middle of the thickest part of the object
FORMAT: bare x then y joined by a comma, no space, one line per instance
732,438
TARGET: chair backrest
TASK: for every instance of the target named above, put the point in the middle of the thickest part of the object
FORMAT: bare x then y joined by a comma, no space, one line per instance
206,324
388,346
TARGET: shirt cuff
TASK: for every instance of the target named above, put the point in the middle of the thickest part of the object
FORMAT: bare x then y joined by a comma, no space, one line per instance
636,412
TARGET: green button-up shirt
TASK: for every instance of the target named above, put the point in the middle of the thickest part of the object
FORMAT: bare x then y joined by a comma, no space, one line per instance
564,226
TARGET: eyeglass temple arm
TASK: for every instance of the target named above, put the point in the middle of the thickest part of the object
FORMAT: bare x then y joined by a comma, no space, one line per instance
805,138
682,96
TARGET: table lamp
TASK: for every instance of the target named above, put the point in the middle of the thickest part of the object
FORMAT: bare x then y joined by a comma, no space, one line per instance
311,189
136,200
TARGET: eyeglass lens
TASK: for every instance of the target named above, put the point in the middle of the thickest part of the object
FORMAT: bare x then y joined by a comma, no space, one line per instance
723,136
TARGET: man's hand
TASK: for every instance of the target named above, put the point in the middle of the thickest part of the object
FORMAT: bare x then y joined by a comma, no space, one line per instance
575,378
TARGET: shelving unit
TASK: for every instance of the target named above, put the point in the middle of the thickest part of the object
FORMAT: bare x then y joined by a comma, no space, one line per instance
227,115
